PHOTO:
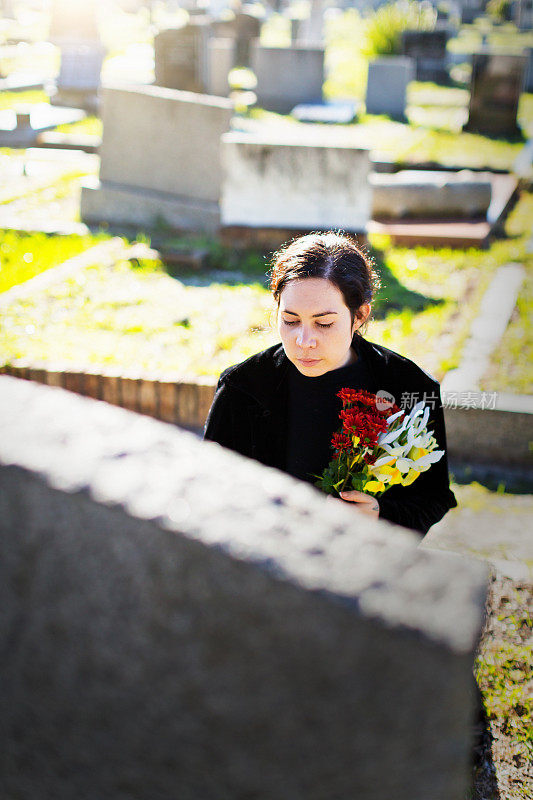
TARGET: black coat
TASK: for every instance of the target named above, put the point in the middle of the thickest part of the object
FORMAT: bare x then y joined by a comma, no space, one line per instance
249,414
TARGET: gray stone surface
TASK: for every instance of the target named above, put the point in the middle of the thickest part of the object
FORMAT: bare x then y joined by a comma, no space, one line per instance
424,193
287,76
428,48
80,68
496,84
180,55
386,91
528,85
125,205
492,435
295,181
177,619
162,144
220,60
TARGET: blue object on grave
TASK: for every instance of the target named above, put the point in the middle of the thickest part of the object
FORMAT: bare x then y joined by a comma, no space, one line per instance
333,113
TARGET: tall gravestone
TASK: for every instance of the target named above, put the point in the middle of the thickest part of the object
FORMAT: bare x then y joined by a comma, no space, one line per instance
287,76
180,56
386,89
159,159
243,28
74,29
428,49
529,70
220,60
496,84
177,621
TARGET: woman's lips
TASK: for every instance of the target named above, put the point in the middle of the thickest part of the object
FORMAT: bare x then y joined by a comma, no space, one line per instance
308,361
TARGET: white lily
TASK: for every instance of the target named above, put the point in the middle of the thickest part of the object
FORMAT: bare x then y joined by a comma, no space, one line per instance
421,464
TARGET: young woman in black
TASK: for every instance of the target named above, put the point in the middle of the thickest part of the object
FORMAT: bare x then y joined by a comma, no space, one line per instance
280,406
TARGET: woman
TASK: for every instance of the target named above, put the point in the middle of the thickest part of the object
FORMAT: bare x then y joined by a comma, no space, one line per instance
280,406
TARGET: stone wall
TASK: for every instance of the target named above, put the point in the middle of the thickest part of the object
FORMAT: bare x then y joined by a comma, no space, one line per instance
177,619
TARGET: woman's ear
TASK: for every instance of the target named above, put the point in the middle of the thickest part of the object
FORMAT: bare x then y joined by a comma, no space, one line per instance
362,315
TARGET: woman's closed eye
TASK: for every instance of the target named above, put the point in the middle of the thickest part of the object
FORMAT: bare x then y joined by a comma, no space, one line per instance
320,324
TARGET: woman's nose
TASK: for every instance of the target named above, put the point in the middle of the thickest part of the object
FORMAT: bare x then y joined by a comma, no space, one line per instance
304,338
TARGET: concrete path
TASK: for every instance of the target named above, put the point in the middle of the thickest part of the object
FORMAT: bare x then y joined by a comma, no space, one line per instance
497,528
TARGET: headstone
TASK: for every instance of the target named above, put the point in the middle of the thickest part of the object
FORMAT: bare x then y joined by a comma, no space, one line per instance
160,158
496,84
243,28
248,28
73,22
161,640
74,29
386,91
470,10
311,30
181,56
294,182
80,69
423,194
428,49
287,76
220,60
528,87
524,14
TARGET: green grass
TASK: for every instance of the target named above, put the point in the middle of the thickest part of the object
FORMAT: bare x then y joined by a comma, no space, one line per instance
22,256
13,99
139,317
504,674
512,364
90,126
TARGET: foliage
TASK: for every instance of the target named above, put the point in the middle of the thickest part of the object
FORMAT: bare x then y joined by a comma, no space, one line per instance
384,28
504,672
499,9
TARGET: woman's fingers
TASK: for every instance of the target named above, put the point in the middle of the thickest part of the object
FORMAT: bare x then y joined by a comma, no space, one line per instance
366,503
354,496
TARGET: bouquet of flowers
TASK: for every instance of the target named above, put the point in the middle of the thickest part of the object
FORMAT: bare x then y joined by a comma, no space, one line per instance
378,446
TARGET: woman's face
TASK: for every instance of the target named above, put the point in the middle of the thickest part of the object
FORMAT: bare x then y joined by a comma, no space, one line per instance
315,326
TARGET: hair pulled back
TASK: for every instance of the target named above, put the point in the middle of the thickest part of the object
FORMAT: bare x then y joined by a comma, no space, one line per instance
333,256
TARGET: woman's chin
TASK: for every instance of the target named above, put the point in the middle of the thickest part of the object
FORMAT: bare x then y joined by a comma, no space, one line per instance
311,367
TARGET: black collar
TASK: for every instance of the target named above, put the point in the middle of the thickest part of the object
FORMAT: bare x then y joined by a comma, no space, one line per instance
264,376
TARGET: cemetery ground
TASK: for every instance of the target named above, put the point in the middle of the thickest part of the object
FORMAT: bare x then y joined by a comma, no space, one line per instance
147,316
144,315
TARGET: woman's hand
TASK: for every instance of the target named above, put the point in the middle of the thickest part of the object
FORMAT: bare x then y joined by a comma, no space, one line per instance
366,503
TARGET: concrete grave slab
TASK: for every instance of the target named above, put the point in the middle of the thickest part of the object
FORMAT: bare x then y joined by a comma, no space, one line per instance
285,182
20,127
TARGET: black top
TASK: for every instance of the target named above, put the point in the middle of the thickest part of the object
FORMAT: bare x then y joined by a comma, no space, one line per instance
314,416
250,415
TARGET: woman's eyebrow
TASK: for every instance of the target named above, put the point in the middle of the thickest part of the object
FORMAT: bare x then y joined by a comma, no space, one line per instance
294,314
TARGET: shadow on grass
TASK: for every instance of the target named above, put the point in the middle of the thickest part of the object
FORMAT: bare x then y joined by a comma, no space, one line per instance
222,264
394,296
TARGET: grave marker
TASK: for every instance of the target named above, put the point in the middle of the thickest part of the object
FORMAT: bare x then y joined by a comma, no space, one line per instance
287,76
428,48
287,183
160,157
496,84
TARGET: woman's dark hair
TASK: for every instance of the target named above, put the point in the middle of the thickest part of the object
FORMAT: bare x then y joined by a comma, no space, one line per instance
333,256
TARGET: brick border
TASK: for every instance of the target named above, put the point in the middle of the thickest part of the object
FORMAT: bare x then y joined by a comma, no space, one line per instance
183,403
